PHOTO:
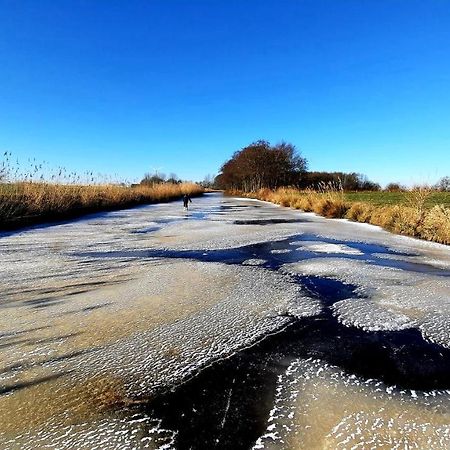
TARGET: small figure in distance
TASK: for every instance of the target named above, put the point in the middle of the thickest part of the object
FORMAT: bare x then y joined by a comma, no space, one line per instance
186,200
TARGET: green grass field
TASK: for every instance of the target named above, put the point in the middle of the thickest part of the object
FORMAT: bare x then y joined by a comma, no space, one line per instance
396,198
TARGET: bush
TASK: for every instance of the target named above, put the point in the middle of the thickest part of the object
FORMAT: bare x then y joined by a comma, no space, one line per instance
360,212
436,225
395,187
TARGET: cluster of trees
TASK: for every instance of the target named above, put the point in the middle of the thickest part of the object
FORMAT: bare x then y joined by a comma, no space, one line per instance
208,182
151,179
348,181
443,184
261,165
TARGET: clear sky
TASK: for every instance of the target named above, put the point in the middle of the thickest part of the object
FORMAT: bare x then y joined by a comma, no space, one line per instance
127,86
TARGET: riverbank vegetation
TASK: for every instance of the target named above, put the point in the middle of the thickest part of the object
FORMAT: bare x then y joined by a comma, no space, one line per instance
420,212
278,174
28,198
23,203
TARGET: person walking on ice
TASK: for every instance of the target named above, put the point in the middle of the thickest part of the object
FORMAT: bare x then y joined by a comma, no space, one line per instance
186,200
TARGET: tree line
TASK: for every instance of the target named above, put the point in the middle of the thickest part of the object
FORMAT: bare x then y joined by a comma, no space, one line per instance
261,165
347,181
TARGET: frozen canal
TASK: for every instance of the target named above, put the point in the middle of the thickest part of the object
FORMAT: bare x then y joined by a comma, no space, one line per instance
237,325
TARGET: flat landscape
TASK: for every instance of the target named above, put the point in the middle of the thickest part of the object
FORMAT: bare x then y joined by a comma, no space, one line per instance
225,225
236,324
383,198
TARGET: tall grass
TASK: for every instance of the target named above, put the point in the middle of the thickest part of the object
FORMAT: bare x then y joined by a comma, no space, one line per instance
28,202
411,217
40,193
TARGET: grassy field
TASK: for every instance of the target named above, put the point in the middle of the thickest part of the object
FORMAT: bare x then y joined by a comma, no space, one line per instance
419,213
381,198
24,203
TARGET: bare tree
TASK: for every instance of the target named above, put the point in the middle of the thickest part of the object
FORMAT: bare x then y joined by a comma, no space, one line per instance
260,165
443,184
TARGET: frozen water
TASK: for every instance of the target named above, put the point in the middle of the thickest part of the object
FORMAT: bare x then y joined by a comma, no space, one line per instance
395,298
318,406
254,262
281,251
329,248
102,313
366,314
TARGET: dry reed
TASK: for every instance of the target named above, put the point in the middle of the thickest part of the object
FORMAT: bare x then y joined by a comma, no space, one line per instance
411,218
29,202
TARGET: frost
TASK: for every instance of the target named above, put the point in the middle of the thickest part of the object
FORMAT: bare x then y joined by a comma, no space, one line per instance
107,309
395,298
329,248
254,262
367,315
351,413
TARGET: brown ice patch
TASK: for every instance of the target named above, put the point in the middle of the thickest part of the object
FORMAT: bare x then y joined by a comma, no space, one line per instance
331,410
41,362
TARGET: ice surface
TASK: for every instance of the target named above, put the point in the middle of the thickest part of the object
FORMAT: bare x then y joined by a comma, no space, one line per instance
318,406
395,298
329,248
103,311
367,315
254,262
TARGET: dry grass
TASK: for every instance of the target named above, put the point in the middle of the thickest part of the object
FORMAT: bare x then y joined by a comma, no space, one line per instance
411,218
436,225
328,201
27,202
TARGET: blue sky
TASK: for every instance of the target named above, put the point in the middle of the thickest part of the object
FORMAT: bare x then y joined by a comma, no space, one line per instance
128,86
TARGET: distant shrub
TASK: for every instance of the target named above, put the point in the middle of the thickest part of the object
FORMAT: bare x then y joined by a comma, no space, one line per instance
395,187
443,184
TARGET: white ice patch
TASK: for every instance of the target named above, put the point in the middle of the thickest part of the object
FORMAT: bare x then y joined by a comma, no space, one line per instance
436,328
320,406
367,315
141,432
254,262
329,248
418,259
302,306
396,298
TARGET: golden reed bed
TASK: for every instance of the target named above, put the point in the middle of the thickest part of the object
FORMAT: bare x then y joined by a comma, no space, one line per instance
412,218
24,203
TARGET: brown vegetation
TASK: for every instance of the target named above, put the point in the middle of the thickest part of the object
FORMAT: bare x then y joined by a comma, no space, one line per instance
410,218
348,181
23,203
261,165
35,192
